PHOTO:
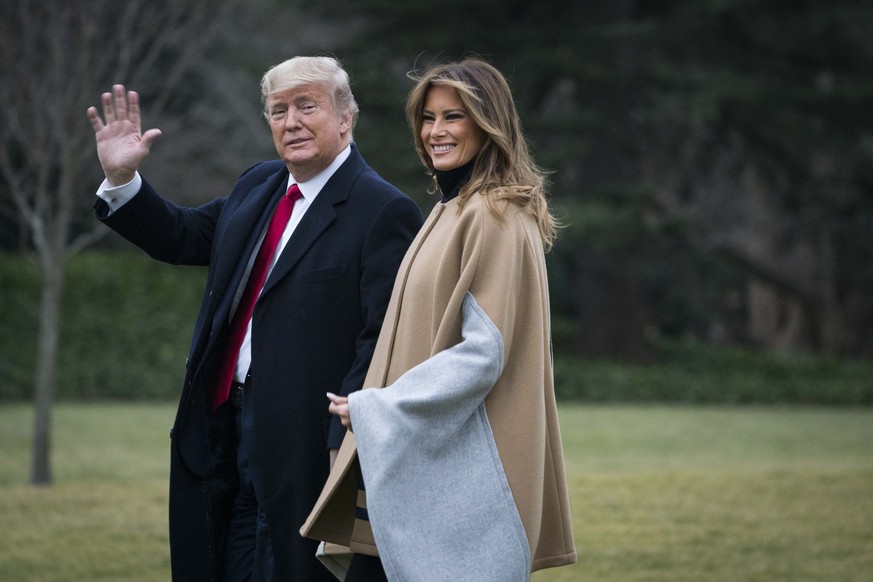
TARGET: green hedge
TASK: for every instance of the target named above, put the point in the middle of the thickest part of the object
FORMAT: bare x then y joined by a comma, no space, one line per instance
689,371
127,322
125,330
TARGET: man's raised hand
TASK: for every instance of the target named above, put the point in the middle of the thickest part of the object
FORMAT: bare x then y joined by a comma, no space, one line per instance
121,145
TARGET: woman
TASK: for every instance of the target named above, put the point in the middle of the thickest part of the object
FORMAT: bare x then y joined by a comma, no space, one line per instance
460,451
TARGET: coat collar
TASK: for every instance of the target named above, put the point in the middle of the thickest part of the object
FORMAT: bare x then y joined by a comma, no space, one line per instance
318,217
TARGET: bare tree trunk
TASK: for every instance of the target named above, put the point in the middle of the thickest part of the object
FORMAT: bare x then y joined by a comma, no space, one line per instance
776,320
51,57
49,320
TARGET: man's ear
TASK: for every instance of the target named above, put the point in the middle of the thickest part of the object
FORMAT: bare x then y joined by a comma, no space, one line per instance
346,122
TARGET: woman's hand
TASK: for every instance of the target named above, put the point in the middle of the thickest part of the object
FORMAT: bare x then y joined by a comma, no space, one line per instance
339,405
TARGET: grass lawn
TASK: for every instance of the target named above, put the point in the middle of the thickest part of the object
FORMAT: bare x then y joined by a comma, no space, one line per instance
658,493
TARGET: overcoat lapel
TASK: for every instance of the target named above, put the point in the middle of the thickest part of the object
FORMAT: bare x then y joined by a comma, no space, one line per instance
317,218
244,229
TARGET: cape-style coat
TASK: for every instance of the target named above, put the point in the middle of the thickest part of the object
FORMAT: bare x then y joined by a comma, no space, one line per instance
315,326
460,452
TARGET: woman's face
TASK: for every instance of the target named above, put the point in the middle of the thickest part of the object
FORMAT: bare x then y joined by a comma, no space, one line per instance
449,134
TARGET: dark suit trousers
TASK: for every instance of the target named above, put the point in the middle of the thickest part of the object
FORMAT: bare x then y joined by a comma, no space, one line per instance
249,553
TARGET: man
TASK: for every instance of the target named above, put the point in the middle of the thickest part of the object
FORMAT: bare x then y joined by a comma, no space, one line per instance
250,442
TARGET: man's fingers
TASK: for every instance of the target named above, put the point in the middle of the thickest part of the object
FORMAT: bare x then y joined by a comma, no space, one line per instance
108,112
120,105
133,107
119,102
150,136
94,118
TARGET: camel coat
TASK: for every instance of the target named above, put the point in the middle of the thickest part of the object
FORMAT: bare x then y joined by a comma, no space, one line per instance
460,452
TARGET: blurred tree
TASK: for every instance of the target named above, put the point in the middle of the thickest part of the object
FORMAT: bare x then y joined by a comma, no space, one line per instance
55,58
761,140
571,67
711,158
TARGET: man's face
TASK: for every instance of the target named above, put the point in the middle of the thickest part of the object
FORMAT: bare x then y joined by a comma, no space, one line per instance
307,130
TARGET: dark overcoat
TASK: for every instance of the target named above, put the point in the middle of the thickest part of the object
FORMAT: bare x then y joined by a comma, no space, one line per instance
315,326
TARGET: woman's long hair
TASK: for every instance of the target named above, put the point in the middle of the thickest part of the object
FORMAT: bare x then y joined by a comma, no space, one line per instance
504,170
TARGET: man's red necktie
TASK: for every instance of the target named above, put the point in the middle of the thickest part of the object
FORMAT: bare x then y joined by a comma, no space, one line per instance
246,307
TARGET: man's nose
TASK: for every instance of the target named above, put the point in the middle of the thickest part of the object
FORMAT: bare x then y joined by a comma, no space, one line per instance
292,119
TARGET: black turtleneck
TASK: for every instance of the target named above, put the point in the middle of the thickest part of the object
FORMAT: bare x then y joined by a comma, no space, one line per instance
451,181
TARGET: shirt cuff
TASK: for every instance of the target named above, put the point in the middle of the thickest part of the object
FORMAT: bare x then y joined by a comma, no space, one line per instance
118,196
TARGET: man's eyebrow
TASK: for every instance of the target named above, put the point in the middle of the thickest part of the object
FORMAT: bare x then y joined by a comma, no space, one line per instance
306,97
